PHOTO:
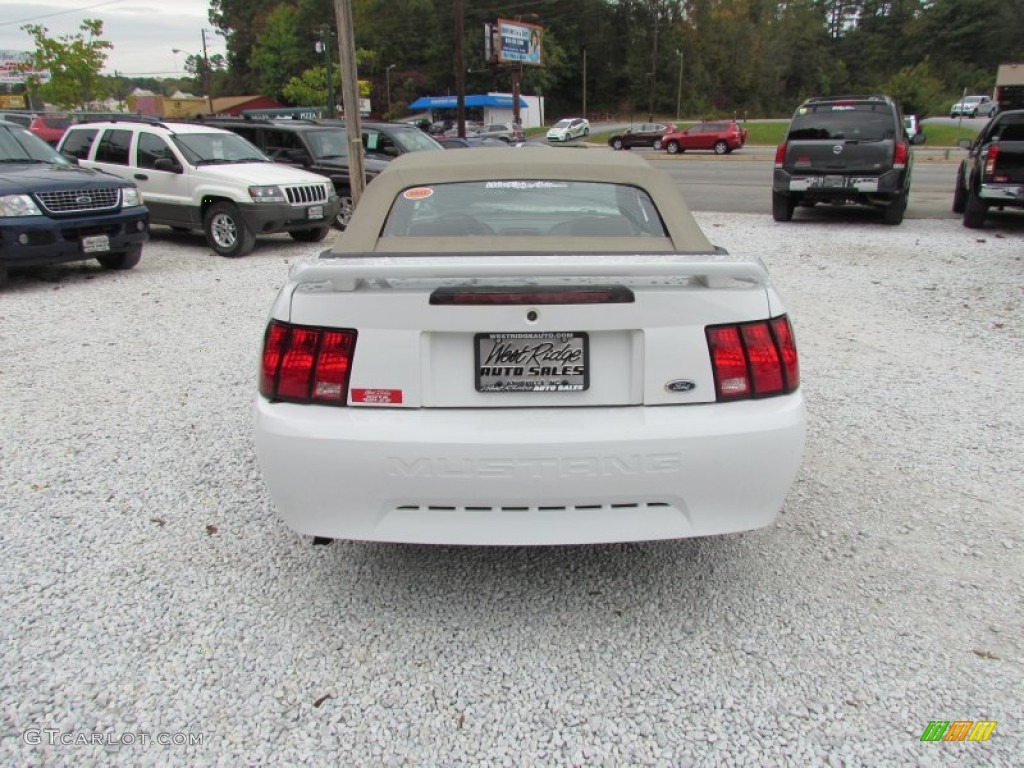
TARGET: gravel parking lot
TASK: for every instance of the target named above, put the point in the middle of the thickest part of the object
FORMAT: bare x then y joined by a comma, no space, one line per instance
150,595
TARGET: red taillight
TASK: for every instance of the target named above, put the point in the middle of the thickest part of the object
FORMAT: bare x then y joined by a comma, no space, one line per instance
900,156
780,155
990,160
306,365
753,359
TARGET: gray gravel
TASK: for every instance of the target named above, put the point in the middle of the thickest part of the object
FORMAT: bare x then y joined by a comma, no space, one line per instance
148,588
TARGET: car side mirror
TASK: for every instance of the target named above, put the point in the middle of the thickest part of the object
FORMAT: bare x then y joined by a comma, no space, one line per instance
296,156
166,164
964,143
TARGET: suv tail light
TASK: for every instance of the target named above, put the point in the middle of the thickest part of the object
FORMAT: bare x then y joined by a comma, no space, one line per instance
901,155
990,161
780,155
753,359
306,365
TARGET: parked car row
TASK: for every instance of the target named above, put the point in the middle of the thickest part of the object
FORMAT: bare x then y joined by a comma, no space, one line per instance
719,137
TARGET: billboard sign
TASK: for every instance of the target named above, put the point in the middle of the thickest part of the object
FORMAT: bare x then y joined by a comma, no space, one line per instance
15,68
519,43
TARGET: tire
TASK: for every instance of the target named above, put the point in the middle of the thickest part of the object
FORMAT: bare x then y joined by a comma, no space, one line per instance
673,147
974,113
125,260
616,144
959,195
782,207
344,215
656,145
721,147
892,214
226,231
314,235
586,132
974,211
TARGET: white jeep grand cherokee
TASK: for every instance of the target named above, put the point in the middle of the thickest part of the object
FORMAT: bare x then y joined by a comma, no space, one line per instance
199,177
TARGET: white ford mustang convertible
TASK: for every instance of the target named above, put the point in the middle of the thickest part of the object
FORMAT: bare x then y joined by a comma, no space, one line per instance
527,348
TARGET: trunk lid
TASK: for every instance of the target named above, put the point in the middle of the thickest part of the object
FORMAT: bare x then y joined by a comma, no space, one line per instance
611,330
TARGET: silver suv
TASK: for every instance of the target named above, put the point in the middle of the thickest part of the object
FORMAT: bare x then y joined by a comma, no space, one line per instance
200,177
974,106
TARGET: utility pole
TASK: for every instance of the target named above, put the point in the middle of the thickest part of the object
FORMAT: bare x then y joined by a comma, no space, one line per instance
350,98
206,71
460,72
325,40
656,4
679,91
584,115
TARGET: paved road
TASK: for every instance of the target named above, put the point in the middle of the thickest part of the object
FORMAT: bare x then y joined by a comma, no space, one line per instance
741,184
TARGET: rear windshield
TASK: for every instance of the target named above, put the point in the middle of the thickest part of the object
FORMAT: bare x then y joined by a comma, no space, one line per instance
524,208
56,122
850,121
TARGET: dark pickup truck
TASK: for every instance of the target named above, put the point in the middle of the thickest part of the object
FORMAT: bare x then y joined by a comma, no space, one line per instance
52,211
992,174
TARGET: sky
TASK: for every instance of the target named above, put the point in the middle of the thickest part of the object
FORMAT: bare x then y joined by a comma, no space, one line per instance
143,32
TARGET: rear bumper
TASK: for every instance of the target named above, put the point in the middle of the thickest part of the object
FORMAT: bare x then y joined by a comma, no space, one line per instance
38,240
538,476
1002,194
863,188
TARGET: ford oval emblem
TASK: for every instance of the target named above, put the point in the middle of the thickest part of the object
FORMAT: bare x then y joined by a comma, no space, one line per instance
837,149
83,199
681,385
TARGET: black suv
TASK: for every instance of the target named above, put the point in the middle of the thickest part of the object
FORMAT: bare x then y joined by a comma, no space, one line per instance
52,211
307,144
844,149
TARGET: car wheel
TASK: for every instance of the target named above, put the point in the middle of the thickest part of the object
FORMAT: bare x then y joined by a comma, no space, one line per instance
959,195
616,143
782,206
657,145
892,214
125,260
586,132
344,215
721,147
974,211
314,235
974,113
226,231
673,147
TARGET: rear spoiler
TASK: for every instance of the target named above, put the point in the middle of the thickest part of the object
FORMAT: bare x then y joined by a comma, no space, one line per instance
713,270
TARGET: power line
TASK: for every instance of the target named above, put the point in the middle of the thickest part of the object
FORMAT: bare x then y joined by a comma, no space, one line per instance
59,13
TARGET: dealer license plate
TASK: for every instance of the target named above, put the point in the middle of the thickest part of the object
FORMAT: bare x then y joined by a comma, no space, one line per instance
95,244
834,181
315,212
532,362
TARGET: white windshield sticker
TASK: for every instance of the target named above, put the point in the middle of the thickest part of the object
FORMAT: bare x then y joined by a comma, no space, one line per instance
525,185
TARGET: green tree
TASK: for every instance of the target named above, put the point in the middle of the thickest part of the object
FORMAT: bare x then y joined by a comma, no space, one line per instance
73,61
281,51
917,90
310,88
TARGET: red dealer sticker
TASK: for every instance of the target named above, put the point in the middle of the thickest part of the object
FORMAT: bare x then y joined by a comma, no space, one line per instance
417,193
377,396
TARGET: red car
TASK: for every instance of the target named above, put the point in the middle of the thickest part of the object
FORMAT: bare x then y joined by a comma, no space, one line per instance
49,128
721,138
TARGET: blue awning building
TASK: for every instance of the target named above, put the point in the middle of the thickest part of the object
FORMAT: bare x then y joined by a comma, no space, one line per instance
485,108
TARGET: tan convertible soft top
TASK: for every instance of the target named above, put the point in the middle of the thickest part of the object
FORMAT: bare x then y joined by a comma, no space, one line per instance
540,163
